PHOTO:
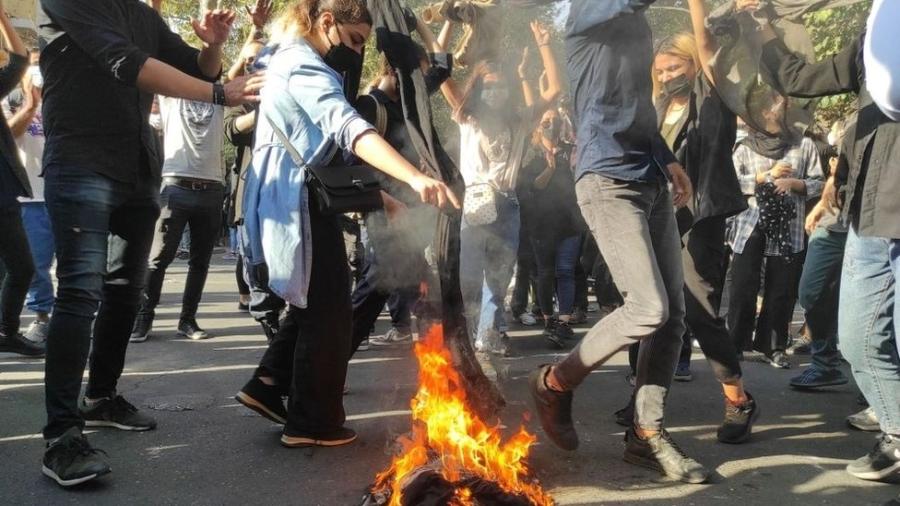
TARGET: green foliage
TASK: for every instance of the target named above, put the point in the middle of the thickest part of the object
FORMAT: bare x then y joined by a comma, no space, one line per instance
832,30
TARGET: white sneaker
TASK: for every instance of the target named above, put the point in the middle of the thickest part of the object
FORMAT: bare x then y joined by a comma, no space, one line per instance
364,345
37,331
527,319
392,337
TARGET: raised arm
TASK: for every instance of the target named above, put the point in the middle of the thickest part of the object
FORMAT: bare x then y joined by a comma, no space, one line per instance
706,43
449,88
527,92
553,89
91,26
11,74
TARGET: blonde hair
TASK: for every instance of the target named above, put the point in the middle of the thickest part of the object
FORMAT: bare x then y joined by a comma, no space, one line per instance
681,45
299,16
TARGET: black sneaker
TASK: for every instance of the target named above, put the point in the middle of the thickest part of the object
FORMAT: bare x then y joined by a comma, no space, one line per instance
564,330
296,439
738,423
188,328
17,343
117,413
579,316
143,324
881,463
264,399
661,454
554,410
550,334
813,377
71,460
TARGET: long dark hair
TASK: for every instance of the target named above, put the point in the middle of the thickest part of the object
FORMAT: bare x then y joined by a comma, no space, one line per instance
468,108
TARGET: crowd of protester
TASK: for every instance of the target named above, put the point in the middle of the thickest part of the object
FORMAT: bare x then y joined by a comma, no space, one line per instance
639,184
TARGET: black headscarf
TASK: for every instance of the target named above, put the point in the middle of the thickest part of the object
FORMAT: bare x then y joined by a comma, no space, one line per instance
772,147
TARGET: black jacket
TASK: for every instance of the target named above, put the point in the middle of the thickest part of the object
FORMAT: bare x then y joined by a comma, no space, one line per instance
10,75
95,117
872,184
704,147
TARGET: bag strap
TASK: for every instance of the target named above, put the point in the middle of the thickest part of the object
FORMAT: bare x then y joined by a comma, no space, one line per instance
295,155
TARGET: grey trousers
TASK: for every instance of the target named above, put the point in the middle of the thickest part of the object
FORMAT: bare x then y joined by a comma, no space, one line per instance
634,225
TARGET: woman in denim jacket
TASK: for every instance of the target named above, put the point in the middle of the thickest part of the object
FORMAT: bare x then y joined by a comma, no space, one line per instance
302,249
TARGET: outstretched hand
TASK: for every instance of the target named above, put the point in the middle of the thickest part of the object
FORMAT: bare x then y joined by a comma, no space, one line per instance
260,13
434,192
541,33
215,27
244,89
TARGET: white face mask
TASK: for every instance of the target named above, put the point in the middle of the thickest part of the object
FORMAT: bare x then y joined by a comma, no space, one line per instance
495,98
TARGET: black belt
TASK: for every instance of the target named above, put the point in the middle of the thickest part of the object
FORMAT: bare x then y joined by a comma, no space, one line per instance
189,183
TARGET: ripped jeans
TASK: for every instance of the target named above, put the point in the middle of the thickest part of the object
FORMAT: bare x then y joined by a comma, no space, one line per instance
103,231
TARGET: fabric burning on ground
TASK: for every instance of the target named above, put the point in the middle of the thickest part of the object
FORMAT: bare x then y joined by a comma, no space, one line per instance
452,456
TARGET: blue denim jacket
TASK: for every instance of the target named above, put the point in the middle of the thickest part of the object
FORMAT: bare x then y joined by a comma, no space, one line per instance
304,98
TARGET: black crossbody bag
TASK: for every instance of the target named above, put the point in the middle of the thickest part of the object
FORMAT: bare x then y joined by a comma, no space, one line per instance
339,189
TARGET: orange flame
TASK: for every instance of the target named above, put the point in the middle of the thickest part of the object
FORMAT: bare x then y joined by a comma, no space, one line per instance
444,426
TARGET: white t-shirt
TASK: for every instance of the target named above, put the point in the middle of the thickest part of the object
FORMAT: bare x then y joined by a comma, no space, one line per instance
882,57
494,159
31,145
194,137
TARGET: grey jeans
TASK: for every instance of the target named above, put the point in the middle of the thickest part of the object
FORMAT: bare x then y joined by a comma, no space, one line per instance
634,225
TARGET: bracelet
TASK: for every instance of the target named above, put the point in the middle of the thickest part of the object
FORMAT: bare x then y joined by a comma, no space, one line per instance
218,95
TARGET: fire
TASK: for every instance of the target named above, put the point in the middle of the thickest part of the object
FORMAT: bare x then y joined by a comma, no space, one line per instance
446,430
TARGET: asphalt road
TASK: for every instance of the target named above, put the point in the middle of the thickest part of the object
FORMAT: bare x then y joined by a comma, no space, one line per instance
210,450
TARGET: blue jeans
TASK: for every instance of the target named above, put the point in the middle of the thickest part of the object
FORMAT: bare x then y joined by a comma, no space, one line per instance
103,230
40,237
819,287
867,323
486,260
556,258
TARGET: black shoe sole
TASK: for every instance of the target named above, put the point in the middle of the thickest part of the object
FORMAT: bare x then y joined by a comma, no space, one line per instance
654,465
260,408
833,383
115,425
73,482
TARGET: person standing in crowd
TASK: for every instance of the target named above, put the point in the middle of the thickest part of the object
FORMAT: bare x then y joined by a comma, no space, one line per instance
622,167
305,261
105,59
14,183
494,132
22,111
700,129
546,192
778,175
394,263
820,287
868,304
193,192
240,123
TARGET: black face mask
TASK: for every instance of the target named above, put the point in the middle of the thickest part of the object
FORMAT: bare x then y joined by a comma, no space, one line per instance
341,58
550,130
677,86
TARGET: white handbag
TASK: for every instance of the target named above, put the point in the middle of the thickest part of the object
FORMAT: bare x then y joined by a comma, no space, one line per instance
480,205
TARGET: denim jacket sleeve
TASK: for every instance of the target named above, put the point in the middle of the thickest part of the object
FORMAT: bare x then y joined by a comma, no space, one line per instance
318,90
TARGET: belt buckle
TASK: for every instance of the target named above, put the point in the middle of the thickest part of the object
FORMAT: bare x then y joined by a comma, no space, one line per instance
196,185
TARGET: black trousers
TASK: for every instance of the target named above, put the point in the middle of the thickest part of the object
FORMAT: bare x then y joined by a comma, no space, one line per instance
308,355
202,210
16,258
703,258
525,282
779,296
